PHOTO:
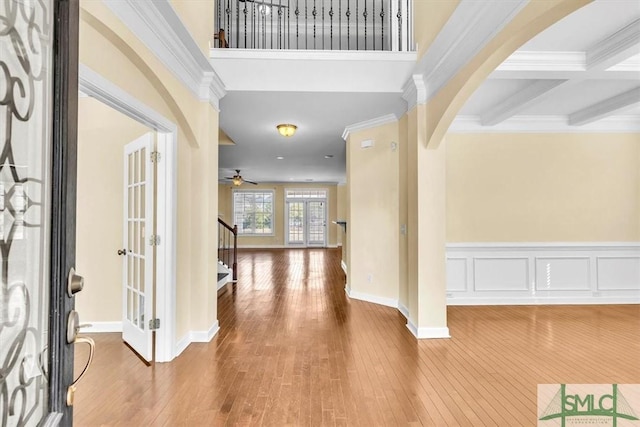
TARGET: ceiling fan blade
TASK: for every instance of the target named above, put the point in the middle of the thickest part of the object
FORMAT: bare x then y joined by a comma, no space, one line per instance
228,177
250,182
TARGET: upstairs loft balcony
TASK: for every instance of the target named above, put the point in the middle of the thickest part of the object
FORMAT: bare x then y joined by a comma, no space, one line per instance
365,25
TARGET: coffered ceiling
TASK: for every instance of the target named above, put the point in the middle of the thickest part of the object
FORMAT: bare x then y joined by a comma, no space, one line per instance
580,75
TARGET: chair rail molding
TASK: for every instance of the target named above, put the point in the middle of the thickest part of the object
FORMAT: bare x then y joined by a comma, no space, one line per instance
160,28
543,273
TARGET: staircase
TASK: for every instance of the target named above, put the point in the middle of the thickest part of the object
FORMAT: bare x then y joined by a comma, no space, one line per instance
227,253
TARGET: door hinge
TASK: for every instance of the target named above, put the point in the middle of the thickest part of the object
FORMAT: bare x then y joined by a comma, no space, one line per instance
154,324
154,240
156,156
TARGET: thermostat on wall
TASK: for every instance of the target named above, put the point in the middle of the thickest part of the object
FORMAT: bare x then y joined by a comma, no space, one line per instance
367,143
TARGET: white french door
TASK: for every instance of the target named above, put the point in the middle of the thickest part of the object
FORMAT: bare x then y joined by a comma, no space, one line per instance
137,278
306,222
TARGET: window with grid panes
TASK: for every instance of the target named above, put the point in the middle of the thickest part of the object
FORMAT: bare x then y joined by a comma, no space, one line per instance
253,211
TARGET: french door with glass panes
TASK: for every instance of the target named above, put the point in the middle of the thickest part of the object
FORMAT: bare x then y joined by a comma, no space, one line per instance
306,223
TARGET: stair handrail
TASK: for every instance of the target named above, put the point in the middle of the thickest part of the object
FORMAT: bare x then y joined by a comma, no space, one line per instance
224,246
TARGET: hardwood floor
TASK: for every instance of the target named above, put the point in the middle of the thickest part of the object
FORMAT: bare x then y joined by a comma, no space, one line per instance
294,350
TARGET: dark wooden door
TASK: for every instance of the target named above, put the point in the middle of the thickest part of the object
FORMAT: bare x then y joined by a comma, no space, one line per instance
38,137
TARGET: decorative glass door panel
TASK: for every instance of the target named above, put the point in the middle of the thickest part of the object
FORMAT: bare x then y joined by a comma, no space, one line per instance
316,223
138,252
26,71
296,221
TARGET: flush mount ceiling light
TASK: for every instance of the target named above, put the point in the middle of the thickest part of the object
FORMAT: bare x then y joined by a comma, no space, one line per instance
286,129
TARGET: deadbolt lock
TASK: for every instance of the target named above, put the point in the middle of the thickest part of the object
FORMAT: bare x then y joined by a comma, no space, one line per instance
75,283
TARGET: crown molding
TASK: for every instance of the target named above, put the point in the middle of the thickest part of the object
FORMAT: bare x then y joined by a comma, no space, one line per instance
615,48
527,60
471,26
162,31
546,124
605,108
414,91
368,124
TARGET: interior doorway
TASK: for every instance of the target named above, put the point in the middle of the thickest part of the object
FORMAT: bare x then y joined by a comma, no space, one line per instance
123,293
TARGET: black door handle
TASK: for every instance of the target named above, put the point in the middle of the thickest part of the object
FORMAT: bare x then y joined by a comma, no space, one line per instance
122,251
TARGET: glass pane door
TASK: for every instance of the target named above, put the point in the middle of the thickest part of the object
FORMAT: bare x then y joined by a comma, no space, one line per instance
316,223
296,223
25,234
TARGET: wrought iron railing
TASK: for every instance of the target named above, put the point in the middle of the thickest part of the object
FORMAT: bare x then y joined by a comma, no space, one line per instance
228,247
315,24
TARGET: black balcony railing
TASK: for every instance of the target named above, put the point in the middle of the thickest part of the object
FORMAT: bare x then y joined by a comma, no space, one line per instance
315,24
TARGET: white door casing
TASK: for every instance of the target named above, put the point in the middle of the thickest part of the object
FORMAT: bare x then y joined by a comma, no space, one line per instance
306,223
138,261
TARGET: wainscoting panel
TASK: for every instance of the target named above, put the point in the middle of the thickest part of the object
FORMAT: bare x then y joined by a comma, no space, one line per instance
569,274
543,273
500,274
618,273
457,274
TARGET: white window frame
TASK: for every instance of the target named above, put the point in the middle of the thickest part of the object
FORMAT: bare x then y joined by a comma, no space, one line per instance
273,212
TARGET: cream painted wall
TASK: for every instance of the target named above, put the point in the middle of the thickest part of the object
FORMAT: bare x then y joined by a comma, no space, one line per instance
373,228
278,239
198,16
102,135
110,49
403,152
429,18
543,187
341,210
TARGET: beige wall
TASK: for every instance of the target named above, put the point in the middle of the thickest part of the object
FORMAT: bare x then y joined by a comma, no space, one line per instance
543,187
341,211
198,16
102,135
403,214
373,228
110,49
278,239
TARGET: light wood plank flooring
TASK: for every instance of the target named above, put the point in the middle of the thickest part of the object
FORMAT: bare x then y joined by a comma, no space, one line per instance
294,350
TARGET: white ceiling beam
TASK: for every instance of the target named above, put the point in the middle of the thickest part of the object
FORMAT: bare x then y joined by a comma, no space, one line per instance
519,101
606,108
614,49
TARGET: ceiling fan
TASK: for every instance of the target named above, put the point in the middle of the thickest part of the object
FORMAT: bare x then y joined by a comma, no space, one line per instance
238,180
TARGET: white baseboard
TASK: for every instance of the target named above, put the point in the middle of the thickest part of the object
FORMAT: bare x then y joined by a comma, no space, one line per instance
427,333
197,336
389,302
404,310
544,301
101,327
543,273
285,247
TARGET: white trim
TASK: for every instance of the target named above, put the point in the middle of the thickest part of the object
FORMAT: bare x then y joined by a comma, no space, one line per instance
614,48
471,26
105,91
414,91
543,273
312,55
543,301
403,310
388,302
159,27
262,246
519,101
182,345
546,124
605,108
526,60
196,336
368,124
273,213
102,327
427,333
204,336
344,266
